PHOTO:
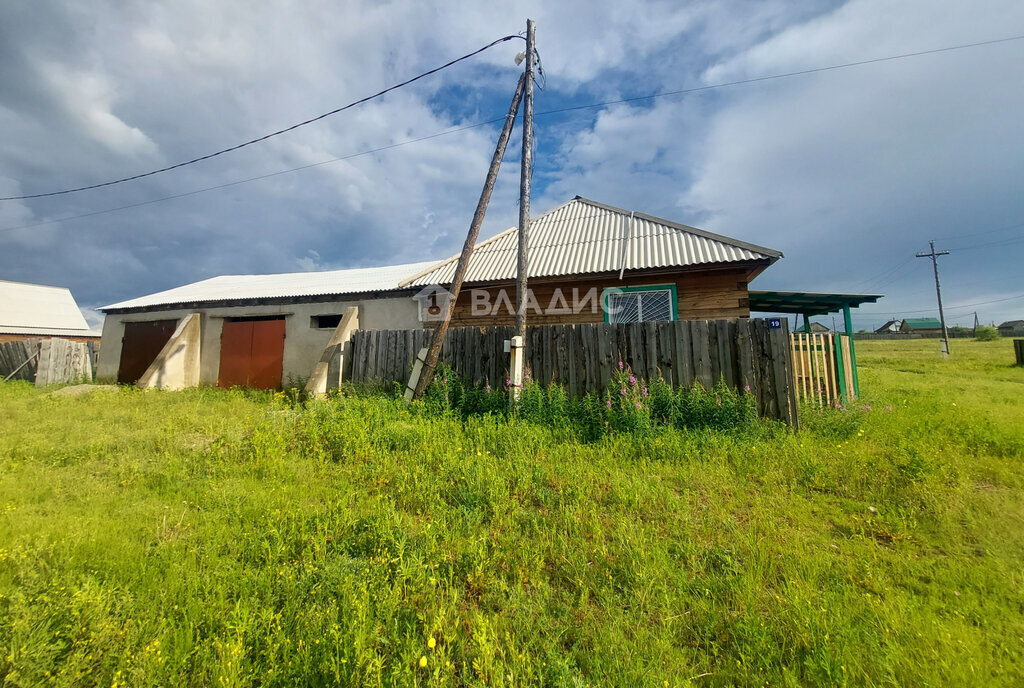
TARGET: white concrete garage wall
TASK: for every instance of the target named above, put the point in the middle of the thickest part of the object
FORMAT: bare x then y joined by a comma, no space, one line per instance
303,342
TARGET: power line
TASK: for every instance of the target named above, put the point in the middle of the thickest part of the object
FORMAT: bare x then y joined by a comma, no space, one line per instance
952,308
770,77
464,128
267,136
249,179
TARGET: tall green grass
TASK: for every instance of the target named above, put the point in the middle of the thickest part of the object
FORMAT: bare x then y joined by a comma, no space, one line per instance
212,538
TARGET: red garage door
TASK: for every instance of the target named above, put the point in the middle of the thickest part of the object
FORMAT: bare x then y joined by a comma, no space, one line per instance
251,353
140,345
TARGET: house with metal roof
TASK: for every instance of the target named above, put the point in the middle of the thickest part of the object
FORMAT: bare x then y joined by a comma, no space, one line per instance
1012,328
36,310
588,262
923,326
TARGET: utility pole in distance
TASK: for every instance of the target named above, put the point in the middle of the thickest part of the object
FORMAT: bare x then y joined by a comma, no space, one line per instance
938,292
519,340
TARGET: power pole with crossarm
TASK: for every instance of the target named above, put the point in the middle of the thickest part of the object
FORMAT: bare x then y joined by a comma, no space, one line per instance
938,292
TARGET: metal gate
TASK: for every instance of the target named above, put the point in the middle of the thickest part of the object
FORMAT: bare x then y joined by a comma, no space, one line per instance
252,353
140,346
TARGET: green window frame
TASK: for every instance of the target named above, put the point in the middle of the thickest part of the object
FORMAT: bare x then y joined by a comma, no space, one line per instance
674,298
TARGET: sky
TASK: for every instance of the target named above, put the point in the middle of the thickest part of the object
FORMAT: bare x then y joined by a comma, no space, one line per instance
849,171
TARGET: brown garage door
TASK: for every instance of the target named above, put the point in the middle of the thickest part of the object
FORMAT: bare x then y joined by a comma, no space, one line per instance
140,345
251,353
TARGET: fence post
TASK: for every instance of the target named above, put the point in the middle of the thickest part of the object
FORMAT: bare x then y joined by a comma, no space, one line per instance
1018,347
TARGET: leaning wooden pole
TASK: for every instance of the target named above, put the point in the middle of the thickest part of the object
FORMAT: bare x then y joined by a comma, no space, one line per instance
417,386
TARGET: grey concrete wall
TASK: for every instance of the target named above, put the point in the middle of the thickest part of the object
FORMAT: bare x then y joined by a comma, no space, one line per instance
303,342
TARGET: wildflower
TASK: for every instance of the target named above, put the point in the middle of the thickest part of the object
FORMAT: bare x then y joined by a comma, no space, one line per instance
608,403
621,364
622,391
431,643
423,661
866,407
643,390
508,382
527,375
638,404
746,388
632,381
487,387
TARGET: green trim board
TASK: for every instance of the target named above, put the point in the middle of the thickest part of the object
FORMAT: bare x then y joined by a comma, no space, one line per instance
644,287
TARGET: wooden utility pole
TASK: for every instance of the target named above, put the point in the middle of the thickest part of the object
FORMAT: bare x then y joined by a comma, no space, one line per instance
938,292
517,347
524,185
425,366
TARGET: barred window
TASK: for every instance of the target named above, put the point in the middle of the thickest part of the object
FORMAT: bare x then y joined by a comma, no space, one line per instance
640,305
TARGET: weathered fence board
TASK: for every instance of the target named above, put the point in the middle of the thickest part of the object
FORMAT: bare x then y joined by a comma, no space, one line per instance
19,359
47,361
583,358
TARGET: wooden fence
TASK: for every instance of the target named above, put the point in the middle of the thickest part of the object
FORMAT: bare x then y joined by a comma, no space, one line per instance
823,368
582,358
47,361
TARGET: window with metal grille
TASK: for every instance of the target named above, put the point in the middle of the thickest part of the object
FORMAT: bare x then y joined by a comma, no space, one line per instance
640,305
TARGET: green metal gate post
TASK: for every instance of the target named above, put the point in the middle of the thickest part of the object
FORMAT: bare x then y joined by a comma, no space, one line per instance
837,341
853,352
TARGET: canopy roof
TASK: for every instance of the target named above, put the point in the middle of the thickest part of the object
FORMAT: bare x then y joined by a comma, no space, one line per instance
806,302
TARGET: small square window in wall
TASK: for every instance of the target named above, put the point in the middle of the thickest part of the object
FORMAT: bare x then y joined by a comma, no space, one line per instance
640,304
325,322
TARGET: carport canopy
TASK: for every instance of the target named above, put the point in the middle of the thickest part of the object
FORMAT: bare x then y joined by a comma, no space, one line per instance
809,303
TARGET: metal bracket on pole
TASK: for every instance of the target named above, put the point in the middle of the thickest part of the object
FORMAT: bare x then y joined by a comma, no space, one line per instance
417,370
517,365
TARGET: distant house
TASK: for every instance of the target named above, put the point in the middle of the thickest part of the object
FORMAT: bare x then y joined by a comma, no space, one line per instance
890,327
923,326
818,328
35,310
1012,328
588,263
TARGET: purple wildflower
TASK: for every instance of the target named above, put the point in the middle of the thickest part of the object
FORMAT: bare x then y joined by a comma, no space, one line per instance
487,387
508,382
608,403
638,404
632,380
622,391
643,390
621,364
746,388
866,407
527,375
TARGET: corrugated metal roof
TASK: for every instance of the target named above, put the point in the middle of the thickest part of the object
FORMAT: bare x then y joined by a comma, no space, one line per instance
291,284
583,236
922,323
39,309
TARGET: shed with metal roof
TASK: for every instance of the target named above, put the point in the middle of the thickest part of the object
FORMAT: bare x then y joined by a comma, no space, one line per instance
36,310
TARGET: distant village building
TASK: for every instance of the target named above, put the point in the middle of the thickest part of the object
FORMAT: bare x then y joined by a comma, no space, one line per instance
818,328
923,326
890,327
30,311
1012,328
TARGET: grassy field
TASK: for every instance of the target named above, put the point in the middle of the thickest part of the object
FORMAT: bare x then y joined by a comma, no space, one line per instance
212,538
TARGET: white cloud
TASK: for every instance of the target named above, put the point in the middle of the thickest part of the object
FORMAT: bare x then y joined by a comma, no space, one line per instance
807,165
